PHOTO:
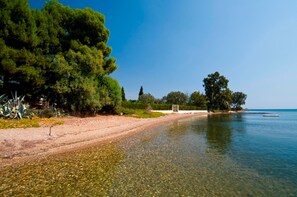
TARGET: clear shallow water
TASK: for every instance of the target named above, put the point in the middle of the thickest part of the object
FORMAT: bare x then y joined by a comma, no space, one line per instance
226,155
219,155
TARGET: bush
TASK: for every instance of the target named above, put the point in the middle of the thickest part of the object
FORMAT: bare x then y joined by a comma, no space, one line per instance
46,113
110,95
127,111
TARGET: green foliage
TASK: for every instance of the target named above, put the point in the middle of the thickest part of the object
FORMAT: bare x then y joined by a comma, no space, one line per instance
19,66
110,95
219,96
161,106
217,92
190,107
46,113
154,106
198,99
146,98
225,99
138,105
178,98
133,105
80,68
238,99
58,52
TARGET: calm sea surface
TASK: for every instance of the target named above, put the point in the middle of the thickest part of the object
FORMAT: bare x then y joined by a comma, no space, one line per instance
218,155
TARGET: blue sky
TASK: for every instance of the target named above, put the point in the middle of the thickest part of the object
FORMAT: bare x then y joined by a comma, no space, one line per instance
171,45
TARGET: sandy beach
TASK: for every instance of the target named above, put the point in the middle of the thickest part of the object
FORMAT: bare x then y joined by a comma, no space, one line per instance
24,144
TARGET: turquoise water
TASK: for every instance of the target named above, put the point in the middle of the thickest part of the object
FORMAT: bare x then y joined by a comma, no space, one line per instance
217,155
268,144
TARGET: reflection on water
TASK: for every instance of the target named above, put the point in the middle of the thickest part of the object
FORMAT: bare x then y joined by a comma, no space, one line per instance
215,137
218,130
218,155
177,129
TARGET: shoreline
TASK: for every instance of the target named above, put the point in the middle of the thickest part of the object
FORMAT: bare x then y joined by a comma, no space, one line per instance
22,145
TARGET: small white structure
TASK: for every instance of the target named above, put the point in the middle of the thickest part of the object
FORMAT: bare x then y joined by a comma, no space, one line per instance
175,108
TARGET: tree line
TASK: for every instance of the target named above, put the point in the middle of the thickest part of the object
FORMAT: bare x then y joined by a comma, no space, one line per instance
176,97
217,96
58,54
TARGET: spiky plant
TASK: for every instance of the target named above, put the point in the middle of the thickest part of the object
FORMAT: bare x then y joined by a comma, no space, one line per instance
3,98
13,108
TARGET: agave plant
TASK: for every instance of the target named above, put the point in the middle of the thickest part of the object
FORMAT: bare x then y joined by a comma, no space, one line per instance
3,98
13,108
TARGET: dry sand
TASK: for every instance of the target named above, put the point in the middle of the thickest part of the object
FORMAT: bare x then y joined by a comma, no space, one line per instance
24,144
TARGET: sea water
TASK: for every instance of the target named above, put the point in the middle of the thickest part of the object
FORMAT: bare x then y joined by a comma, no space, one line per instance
243,154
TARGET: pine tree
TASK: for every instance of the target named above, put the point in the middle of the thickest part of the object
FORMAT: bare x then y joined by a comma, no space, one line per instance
140,92
123,94
19,67
58,52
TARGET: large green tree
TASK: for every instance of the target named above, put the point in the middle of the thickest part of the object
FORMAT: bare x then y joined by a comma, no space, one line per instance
79,56
20,68
58,52
238,99
219,96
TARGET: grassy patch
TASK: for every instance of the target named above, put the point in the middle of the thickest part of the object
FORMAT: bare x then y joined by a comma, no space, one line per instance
26,123
141,113
23,123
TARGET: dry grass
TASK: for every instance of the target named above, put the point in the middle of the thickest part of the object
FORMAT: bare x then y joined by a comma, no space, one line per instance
26,122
